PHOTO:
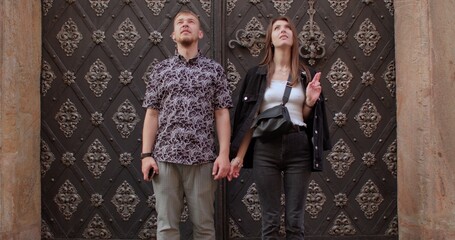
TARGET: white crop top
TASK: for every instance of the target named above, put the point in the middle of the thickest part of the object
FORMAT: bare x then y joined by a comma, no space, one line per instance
274,96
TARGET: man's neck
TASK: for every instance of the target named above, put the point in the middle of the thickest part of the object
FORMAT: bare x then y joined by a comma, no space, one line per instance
188,52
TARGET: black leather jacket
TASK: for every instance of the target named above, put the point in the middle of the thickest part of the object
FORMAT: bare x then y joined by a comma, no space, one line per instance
250,98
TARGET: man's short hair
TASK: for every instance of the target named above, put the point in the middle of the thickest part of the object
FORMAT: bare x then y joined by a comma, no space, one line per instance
186,11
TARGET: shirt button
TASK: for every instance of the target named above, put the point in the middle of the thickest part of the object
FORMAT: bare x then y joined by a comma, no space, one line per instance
245,98
316,132
316,147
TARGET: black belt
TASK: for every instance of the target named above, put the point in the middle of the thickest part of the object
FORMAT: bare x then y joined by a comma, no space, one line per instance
297,128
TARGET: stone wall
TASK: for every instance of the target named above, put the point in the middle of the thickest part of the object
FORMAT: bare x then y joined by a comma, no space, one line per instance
20,60
425,56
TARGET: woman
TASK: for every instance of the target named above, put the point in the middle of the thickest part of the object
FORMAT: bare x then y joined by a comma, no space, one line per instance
284,161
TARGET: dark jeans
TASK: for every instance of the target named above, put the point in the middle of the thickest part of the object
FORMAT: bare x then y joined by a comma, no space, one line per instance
282,163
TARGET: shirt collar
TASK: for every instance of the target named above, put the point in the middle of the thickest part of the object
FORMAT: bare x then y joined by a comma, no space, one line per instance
180,57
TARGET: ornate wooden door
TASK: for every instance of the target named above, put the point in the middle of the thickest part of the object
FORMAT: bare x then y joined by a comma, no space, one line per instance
351,43
97,55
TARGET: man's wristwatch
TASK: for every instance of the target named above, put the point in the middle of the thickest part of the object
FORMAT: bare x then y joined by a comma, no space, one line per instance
144,155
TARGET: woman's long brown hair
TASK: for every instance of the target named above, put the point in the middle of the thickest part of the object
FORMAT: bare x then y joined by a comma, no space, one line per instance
270,51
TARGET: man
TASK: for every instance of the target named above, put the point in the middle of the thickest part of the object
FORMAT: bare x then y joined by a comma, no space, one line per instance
186,97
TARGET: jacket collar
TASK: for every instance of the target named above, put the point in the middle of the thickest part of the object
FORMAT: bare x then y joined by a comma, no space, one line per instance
262,70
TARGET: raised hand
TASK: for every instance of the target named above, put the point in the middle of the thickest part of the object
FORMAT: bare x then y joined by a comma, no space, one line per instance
313,90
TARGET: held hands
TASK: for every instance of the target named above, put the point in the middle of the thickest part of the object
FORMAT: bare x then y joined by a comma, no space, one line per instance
220,167
236,165
313,90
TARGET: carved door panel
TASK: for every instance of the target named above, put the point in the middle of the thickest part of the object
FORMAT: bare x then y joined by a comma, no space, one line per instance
351,43
97,55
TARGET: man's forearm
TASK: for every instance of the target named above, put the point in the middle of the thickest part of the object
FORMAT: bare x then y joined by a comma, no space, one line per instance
223,127
149,130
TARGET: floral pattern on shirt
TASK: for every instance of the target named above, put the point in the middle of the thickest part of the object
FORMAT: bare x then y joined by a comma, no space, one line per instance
187,93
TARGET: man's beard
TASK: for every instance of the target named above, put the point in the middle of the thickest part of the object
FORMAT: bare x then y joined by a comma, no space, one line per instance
186,41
